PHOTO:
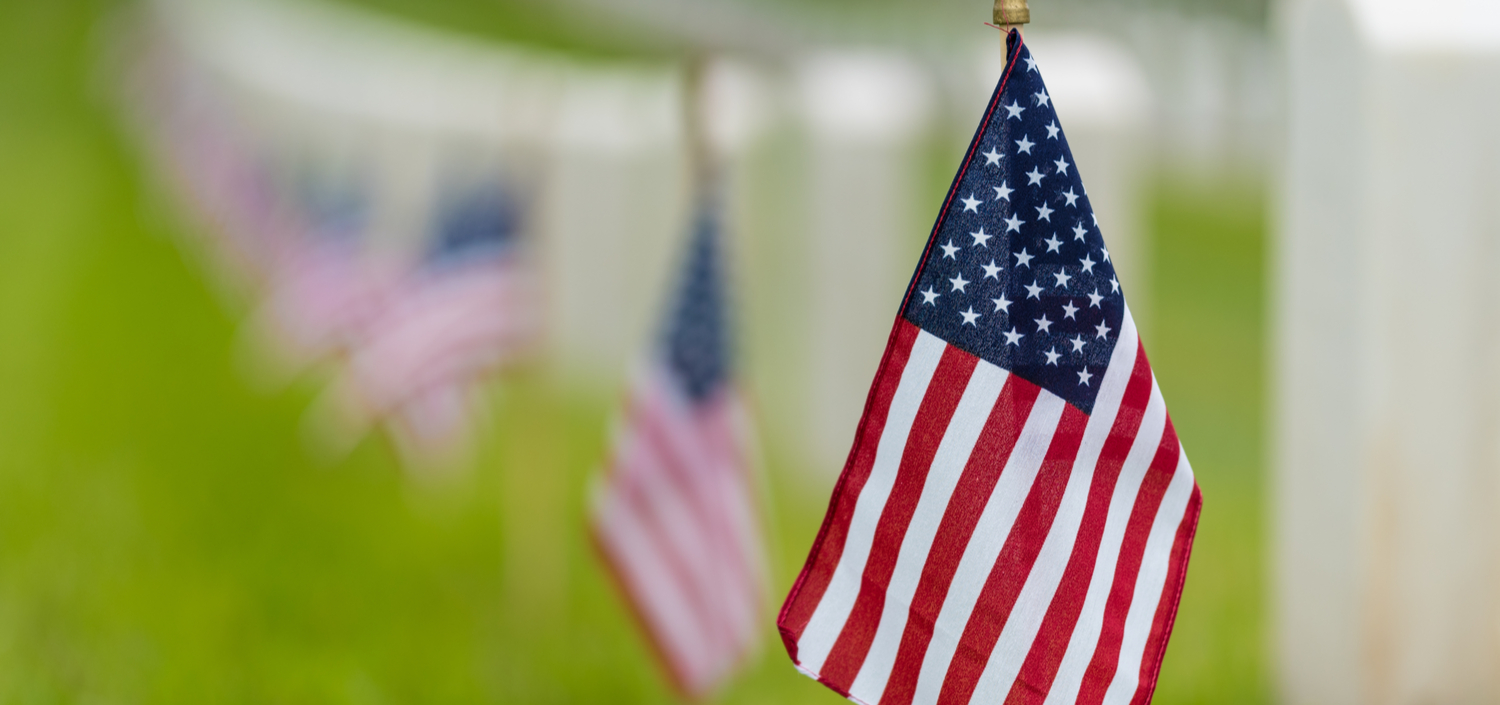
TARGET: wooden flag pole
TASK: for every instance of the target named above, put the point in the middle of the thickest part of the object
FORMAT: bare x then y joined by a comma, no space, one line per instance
702,159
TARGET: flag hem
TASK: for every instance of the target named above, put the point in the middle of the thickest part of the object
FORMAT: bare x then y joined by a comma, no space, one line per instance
1196,504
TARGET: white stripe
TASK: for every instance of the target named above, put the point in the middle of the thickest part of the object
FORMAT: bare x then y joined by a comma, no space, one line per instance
833,610
1085,638
1036,595
1150,582
948,464
990,532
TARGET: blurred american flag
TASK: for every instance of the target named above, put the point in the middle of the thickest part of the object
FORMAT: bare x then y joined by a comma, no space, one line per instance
674,516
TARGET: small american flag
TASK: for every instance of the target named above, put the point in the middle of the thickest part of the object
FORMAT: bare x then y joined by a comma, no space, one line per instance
464,310
674,517
1014,520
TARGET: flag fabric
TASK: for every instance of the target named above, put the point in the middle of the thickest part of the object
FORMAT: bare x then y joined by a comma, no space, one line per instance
1014,520
466,308
674,515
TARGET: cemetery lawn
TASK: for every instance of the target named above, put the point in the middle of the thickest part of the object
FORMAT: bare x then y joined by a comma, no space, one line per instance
165,538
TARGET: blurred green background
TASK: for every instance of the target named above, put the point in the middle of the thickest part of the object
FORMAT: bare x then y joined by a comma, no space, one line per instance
164,537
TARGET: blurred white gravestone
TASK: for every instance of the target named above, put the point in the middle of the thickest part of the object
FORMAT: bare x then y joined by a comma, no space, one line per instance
1387,481
615,205
866,113
620,201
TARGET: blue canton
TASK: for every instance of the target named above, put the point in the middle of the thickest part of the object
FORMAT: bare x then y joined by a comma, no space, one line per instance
1016,271
696,339
479,222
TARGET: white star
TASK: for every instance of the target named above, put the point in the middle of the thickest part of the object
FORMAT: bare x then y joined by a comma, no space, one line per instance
1030,63
1114,285
1033,291
1085,376
949,250
929,296
1063,278
1079,231
1024,145
971,204
1072,197
1044,212
1062,165
1013,224
1035,176
970,317
1094,299
991,270
991,157
1014,109
1069,309
958,282
1022,258
1052,356
1095,215
1101,330
1013,338
1052,130
1042,98
1088,264
1002,192
1053,243
1105,250
1002,304
1077,343
980,238
1043,325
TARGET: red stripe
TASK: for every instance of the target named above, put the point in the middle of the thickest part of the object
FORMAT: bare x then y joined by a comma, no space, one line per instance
1171,597
943,394
1003,586
970,495
1132,551
808,591
1042,661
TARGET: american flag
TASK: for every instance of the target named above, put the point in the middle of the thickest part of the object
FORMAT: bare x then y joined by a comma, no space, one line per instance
674,517
464,310
1014,520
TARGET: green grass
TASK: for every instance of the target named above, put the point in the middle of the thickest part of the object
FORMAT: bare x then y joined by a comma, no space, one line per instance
1206,347
164,538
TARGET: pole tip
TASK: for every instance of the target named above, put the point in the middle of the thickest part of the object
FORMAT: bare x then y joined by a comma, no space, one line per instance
1009,13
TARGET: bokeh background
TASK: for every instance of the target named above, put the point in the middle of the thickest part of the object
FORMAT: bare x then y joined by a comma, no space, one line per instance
167,535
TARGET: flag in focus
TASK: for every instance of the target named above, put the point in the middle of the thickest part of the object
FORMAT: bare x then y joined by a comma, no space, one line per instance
674,515
1014,520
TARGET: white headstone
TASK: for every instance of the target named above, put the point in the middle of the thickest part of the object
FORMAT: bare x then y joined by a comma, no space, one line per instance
1387,480
866,113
